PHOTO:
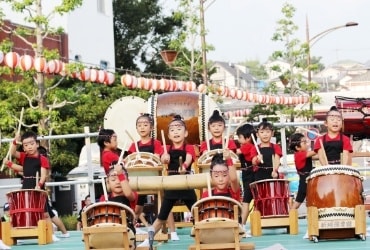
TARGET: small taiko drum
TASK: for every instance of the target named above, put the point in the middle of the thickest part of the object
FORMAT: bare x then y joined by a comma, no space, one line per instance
217,208
335,190
27,207
204,161
108,214
143,164
271,197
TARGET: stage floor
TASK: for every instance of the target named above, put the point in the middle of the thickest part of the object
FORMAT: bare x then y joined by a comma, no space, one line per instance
268,238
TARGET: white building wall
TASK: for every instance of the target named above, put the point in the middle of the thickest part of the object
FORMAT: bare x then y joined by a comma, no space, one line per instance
90,32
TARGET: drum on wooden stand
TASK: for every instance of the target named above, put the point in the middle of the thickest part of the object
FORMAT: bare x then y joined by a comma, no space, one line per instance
335,190
217,208
108,214
143,164
27,207
271,197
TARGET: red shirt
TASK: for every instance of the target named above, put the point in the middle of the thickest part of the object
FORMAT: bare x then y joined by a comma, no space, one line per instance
277,150
346,142
246,150
300,159
43,159
158,149
215,192
107,157
188,148
231,145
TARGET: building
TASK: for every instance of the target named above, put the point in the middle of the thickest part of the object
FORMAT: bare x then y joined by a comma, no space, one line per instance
88,32
234,76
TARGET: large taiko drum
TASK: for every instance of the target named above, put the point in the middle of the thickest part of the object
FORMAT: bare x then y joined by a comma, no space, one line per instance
335,190
27,207
271,197
217,208
108,214
194,107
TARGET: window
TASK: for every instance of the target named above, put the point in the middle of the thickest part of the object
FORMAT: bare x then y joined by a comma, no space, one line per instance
103,64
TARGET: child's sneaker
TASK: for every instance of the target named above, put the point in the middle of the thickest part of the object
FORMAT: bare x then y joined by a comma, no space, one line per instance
66,235
145,243
55,239
174,236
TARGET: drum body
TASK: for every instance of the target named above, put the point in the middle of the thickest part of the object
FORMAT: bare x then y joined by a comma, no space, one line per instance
27,207
195,108
335,190
217,208
108,214
271,197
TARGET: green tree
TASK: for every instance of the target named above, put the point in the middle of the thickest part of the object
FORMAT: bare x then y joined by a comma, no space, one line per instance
294,53
256,69
141,31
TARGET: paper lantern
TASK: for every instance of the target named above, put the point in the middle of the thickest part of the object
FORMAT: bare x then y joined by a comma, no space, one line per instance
84,75
40,64
140,82
192,86
102,75
155,84
93,75
202,88
245,96
181,85
148,84
26,62
1,57
11,59
109,79
232,93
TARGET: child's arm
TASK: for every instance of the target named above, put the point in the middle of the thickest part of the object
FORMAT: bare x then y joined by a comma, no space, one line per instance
346,158
275,165
234,180
15,167
127,191
13,147
44,173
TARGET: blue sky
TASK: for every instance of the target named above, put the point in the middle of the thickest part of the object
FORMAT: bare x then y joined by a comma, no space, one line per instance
242,29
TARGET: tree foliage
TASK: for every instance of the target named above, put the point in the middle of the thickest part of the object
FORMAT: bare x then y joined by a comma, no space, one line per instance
141,31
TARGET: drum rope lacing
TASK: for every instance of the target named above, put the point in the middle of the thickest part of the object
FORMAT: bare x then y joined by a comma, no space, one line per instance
336,213
334,170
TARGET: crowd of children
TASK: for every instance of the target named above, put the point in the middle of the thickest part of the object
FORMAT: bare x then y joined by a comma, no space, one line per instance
259,158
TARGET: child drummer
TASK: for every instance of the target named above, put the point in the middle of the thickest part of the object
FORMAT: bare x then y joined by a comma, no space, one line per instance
267,160
334,147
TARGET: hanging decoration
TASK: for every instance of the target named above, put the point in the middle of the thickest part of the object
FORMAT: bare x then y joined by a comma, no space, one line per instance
27,62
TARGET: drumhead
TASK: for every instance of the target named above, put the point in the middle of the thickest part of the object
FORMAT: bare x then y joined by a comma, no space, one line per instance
27,191
112,204
206,158
213,198
143,157
334,169
268,180
121,115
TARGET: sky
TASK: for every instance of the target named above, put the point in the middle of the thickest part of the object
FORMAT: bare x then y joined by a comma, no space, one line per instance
241,30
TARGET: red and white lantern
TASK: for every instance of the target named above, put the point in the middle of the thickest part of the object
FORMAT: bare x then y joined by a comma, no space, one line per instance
93,75
1,57
202,88
102,75
110,78
40,64
84,75
26,62
155,84
11,59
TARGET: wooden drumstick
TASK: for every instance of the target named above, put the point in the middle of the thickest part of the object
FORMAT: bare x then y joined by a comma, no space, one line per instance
256,146
8,155
228,133
309,131
122,153
132,139
209,189
164,142
104,189
181,171
323,152
207,141
37,178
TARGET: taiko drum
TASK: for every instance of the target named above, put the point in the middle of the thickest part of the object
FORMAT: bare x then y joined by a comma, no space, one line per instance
27,207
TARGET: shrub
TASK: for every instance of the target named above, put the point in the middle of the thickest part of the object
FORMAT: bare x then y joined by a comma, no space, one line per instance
69,221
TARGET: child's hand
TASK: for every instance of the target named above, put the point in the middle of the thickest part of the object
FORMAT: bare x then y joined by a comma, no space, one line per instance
165,158
260,158
238,151
274,174
17,137
118,168
226,154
